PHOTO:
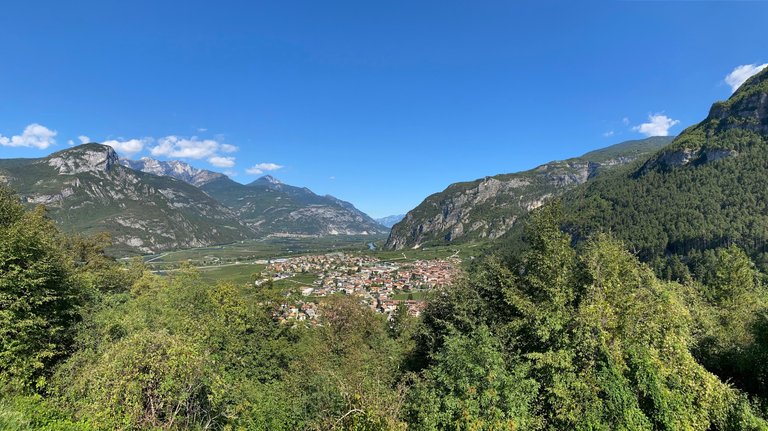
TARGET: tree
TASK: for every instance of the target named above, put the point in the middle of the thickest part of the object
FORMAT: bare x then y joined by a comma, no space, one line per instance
39,297
470,387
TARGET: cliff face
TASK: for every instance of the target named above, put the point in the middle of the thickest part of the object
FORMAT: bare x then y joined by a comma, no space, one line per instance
731,127
86,158
487,208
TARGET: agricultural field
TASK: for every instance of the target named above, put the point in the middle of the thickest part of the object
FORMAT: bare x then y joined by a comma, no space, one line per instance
242,262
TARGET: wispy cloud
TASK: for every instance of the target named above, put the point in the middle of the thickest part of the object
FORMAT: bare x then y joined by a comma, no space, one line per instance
82,138
609,133
260,168
128,147
34,135
657,125
195,148
227,148
222,162
741,73
192,148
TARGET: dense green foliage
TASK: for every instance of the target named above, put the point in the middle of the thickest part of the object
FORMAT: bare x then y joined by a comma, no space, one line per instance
39,296
608,345
694,207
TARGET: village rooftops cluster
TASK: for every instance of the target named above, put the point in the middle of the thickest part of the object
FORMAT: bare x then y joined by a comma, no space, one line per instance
381,285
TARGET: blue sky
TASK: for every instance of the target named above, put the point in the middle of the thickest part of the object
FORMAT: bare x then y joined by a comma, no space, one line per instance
380,103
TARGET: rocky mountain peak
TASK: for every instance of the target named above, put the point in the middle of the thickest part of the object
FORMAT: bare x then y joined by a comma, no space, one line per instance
745,112
84,158
174,169
269,179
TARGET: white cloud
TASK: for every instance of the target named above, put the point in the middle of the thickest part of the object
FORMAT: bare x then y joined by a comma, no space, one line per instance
657,125
129,147
202,130
260,168
222,162
608,134
230,173
742,73
34,135
176,147
82,138
625,120
192,148
227,148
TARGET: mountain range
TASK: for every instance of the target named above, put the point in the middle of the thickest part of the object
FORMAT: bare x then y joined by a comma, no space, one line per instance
270,207
173,168
486,208
390,221
661,195
149,205
87,190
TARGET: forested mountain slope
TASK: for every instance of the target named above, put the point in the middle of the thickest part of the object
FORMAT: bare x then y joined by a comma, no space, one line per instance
709,188
487,208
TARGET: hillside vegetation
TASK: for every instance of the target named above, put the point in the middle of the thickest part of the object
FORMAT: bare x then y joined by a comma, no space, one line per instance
566,338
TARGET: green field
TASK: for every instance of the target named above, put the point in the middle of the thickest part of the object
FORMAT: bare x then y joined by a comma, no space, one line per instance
242,273
299,281
270,248
462,251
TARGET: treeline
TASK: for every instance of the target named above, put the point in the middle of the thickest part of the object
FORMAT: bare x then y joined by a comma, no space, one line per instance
561,337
